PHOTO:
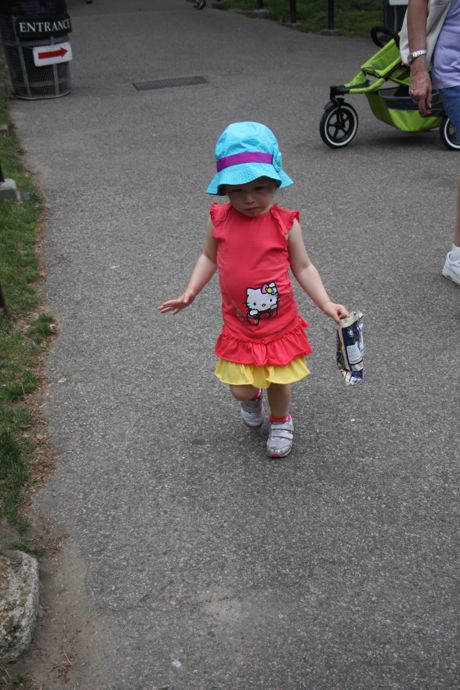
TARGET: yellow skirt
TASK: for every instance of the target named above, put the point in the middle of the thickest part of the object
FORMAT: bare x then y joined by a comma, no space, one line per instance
261,377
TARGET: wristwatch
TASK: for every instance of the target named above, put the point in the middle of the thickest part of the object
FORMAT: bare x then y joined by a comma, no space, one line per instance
415,54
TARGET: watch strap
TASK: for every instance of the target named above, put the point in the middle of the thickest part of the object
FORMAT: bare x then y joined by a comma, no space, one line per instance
416,54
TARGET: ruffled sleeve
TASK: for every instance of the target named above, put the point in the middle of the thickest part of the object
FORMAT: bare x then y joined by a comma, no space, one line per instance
218,214
284,217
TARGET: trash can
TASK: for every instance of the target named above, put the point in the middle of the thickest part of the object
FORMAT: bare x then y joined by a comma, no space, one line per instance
34,34
393,14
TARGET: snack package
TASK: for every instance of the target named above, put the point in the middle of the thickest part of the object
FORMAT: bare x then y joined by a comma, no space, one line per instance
350,348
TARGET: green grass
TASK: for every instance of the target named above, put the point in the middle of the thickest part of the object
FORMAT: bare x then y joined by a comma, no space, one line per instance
32,547
351,17
10,682
14,474
23,331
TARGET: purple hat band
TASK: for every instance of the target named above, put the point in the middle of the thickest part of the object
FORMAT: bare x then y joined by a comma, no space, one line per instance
245,157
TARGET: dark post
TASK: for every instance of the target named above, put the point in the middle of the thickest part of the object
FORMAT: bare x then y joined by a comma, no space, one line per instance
330,15
293,11
260,4
3,304
2,179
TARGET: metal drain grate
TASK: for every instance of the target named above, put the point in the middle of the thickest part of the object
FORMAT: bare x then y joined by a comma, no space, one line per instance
168,83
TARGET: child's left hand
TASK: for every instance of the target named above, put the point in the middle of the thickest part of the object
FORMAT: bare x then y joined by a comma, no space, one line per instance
335,311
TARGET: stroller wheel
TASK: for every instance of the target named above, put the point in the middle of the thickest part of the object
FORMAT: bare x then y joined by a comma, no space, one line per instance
338,125
448,135
381,36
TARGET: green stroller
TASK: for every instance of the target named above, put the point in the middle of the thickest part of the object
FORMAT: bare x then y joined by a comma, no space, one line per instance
384,79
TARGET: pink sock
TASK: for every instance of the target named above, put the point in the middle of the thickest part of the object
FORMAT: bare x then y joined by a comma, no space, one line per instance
280,420
257,395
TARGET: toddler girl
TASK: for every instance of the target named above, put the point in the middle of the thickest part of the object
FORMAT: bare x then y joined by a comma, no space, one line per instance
252,242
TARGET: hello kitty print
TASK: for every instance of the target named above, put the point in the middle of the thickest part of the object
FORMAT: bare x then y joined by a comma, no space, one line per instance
262,302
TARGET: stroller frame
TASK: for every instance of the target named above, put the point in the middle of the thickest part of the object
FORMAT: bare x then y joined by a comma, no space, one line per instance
389,104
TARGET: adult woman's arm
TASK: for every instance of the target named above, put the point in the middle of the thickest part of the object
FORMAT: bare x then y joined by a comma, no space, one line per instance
420,88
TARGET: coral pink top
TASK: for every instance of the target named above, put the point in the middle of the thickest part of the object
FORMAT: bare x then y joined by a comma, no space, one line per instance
261,321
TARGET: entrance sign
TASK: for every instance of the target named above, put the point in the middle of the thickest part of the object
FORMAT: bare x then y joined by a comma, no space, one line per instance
32,27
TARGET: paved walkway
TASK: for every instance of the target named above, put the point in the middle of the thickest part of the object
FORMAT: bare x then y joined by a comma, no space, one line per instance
189,561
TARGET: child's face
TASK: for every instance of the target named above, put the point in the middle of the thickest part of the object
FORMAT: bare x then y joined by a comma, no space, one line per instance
253,198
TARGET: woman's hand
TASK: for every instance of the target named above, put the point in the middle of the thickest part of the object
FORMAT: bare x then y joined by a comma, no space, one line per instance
335,311
420,87
176,305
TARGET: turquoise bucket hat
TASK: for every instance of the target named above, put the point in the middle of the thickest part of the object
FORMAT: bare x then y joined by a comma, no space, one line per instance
244,152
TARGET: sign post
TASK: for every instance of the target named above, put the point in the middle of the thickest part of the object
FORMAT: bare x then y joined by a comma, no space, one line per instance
330,15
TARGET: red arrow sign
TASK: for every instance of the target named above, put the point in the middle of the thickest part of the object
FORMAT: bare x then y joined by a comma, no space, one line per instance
52,54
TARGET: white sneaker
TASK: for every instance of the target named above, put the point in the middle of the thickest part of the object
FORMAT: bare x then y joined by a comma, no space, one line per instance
280,439
451,269
252,412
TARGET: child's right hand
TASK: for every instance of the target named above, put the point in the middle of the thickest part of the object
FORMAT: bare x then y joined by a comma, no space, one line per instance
176,305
